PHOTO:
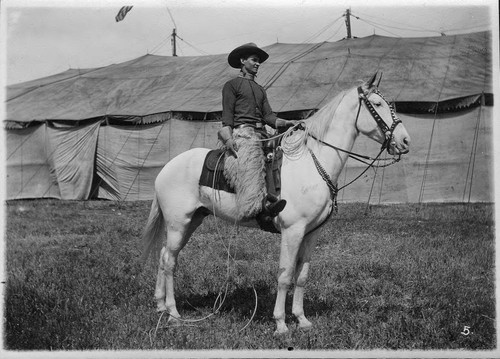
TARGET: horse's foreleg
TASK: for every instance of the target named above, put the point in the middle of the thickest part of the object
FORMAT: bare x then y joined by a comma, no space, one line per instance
301,275
290,244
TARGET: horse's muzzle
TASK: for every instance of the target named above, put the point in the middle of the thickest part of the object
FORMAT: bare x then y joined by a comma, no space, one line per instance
400,148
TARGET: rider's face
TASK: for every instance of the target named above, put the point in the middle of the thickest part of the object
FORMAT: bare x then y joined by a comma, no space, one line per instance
250,64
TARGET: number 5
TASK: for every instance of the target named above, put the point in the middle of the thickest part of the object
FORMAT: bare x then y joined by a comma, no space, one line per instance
466,331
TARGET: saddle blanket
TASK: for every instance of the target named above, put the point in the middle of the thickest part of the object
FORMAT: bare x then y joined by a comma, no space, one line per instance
212,174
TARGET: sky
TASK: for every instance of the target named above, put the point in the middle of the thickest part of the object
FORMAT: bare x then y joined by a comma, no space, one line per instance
44,37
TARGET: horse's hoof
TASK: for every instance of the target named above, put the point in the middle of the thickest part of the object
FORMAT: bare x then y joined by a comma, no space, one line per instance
161,308
174,319
306,327
304,324
280,331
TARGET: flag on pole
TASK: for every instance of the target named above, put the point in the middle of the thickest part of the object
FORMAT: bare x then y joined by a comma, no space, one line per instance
121,14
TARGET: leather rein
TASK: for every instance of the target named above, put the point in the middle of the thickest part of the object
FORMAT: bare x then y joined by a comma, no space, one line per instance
388,132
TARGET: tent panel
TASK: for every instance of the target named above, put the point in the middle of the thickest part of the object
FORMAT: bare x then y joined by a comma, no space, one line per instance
29,166
125,158
129,159
73,153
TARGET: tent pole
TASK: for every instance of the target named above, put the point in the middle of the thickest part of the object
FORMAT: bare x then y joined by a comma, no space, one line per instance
348,22
174,35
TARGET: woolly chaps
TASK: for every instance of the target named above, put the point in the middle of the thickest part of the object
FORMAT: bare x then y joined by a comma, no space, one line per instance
247,172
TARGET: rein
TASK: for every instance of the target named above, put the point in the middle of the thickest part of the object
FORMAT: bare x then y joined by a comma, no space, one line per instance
357,156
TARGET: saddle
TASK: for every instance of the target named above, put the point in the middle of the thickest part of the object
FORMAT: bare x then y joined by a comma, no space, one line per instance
212,176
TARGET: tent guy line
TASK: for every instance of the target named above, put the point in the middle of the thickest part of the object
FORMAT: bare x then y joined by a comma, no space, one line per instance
317,34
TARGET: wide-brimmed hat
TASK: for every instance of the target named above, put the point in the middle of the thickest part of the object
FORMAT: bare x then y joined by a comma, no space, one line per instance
246,50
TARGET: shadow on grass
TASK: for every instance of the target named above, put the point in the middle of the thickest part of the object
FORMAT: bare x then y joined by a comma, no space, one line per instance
241,303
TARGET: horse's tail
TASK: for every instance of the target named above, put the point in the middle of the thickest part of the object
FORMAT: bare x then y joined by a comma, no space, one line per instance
154,231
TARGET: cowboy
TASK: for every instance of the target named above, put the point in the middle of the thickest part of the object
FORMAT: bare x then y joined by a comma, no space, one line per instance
245,105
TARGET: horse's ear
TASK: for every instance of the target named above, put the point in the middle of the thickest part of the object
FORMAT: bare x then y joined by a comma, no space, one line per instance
379,78
372,80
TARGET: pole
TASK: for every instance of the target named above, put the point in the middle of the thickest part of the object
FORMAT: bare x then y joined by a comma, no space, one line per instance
174,35
348,22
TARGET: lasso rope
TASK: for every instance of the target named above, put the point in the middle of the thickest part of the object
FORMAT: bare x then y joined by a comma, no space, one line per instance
254,310
214,192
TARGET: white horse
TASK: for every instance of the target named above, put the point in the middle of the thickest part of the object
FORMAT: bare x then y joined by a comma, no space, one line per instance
181,204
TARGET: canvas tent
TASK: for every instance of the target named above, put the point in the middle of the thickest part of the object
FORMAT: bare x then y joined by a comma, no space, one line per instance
106,132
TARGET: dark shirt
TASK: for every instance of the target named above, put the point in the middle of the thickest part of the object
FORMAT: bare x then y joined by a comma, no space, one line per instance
245,101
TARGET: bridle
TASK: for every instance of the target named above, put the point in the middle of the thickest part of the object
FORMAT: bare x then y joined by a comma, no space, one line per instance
386,130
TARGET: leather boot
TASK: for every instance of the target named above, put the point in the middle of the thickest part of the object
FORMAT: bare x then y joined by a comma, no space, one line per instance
274,205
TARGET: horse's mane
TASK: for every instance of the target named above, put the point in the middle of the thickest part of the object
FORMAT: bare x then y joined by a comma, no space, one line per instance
319,123
316,125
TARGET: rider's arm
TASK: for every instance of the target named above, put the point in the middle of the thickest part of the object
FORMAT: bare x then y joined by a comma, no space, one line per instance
228,102
271,119
268,115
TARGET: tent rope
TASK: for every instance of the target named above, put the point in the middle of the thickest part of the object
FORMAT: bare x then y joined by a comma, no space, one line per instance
381,186
424,179
322,30
371,190
292,95
21,144
140,166
336,80
472,157
287,63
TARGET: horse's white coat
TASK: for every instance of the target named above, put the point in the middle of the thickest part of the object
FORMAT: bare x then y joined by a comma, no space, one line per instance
179,197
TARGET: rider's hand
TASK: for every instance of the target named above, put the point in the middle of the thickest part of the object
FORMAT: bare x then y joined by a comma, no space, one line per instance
225,134
281,123
232,147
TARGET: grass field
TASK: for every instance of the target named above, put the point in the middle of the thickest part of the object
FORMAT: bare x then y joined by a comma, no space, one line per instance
395,278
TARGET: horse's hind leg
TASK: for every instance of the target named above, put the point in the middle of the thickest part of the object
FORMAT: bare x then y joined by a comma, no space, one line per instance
178,234
301,274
